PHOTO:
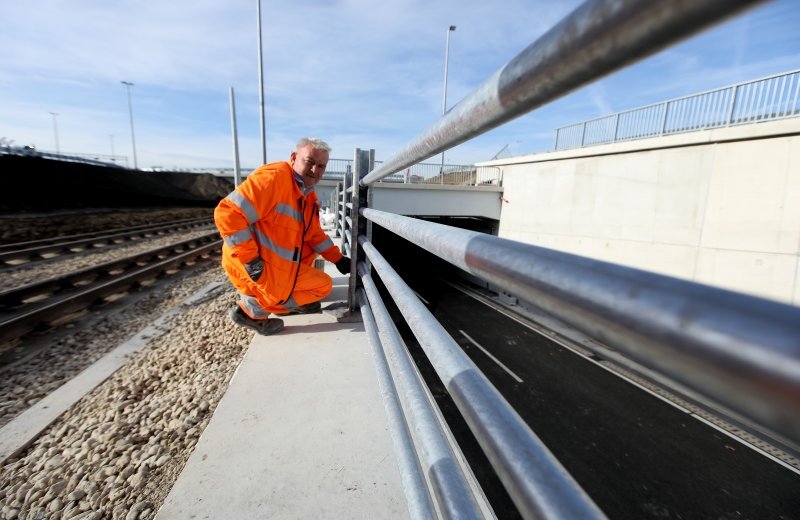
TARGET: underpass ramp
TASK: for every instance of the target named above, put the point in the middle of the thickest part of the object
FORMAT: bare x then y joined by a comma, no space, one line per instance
300,433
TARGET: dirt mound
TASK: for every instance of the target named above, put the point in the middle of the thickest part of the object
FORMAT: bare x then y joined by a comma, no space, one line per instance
37,184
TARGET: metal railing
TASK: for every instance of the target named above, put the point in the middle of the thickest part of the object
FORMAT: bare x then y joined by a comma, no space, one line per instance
740,351
426,173
422,173
765,99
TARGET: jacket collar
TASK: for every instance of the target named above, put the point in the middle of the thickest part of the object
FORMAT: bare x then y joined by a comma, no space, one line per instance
300,184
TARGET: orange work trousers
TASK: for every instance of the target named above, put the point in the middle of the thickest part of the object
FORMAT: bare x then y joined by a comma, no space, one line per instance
258,301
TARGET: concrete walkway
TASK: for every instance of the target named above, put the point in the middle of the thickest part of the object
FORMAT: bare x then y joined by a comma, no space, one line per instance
300,433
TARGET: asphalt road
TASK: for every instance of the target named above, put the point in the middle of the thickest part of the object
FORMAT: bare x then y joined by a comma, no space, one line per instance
637,456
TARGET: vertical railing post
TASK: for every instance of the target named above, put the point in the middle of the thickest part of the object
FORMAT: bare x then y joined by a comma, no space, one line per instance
337,199
346,181
363,163
616,128
664,120
729,119
583,134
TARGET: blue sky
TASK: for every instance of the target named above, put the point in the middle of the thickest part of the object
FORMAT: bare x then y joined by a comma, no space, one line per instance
354,72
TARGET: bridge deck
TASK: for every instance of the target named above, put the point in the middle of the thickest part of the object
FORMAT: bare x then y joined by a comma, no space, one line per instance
300,433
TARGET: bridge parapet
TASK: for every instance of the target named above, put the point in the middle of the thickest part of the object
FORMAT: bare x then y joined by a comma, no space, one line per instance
710,206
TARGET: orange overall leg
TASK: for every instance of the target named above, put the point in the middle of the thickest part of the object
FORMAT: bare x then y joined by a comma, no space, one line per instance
312,286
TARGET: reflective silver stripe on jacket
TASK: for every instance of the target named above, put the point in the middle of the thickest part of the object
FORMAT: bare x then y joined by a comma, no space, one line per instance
252,307
322,246
243,204
238,237
291,304
267,243
289,211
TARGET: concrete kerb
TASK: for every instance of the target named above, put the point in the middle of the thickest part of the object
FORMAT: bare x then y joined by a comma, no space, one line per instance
26,427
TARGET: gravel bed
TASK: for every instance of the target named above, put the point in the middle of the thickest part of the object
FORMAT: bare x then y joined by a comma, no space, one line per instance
36,272
118,451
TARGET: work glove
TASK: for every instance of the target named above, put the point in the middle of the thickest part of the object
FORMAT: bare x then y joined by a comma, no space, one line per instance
343,265
254,268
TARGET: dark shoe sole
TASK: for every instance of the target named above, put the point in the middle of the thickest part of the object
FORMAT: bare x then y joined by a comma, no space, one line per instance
266,327
309,308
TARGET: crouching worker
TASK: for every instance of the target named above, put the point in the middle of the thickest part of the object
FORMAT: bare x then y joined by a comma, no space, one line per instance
271,235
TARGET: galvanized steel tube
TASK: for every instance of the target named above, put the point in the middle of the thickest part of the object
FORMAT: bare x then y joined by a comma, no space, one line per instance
449,484
537,483
594,40
414,485
740,350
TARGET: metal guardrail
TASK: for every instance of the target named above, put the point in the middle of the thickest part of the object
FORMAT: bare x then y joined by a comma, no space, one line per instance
738,350
766,99
426,173
422,173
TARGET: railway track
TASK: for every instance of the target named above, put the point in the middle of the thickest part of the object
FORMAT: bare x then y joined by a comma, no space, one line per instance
35,306
26,253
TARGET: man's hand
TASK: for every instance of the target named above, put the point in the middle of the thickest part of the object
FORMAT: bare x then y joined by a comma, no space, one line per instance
343,265
254,268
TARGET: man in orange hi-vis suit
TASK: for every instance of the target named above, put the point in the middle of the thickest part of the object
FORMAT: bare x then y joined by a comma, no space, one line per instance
271,235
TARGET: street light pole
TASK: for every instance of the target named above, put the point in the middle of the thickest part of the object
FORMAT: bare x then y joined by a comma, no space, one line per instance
237,176
55,130
444,96
128,84
261,89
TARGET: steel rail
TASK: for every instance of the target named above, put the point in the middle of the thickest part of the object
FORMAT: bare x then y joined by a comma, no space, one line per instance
596,39
16,297
60,248
418,497
536,482
78,236
739,350
21,320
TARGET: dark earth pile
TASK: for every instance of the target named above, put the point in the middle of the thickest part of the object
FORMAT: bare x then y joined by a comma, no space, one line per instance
35,184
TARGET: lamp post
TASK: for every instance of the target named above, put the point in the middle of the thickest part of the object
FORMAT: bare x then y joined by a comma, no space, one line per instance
55,130
128,85
237,176
444,95
261,88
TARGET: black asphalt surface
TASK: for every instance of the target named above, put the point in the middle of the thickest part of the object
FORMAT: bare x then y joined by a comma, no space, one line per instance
637,456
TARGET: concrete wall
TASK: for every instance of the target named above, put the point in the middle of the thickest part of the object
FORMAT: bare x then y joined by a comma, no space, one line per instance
438,200
325,190
719,207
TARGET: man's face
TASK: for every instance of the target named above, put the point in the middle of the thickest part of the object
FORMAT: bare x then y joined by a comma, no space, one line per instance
309,164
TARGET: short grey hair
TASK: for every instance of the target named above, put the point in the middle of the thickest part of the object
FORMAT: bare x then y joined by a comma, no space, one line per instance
314,142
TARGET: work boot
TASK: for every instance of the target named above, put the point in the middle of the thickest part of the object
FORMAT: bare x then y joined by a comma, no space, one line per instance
309,308
265,327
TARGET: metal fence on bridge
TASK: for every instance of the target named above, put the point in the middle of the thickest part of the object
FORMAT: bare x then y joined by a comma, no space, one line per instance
426,173
738,351
421,173
766,99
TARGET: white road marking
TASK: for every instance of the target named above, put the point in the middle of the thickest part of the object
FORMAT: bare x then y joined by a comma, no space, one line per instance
512,374
421,298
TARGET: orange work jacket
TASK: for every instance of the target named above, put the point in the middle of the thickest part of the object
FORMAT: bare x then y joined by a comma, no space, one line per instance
269,216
